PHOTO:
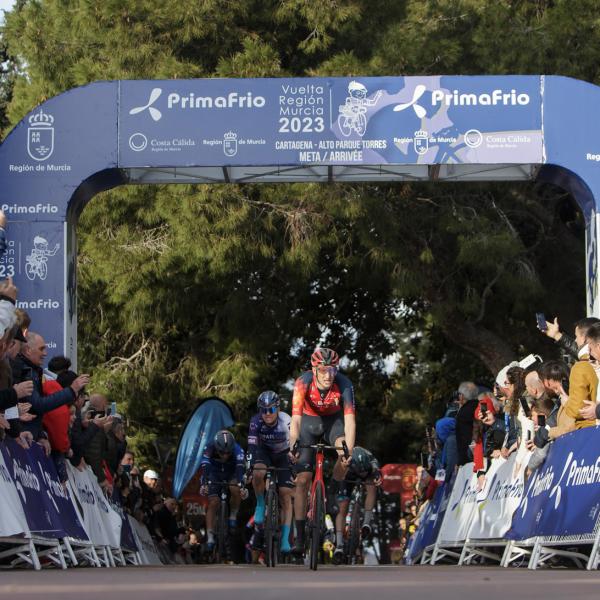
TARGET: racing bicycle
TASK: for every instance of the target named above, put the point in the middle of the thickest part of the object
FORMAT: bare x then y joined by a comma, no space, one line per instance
316,501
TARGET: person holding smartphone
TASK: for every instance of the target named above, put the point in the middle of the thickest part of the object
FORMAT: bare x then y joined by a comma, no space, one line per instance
488,436
571,345
543,414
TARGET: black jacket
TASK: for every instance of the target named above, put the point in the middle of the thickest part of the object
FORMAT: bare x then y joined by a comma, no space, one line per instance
464,431
24,370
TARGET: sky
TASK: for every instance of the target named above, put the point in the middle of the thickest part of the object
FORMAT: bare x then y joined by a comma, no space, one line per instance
5,5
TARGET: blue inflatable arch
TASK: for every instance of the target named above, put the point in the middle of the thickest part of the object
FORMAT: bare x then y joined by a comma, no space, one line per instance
445,128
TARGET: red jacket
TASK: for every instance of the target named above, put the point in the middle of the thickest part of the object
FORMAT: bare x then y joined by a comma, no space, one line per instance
56,422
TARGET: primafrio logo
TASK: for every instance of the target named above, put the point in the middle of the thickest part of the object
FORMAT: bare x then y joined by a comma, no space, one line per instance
191,101
154,112
40,136
455,98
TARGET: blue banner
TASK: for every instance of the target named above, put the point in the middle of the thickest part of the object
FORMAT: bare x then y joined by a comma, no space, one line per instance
211,415
431,521
369,120
38,500
563,496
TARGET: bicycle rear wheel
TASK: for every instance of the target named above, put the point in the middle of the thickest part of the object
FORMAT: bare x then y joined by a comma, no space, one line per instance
272,527
316,525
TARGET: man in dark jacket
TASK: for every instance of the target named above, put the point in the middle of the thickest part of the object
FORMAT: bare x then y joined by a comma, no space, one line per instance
28,365
467,399
95,451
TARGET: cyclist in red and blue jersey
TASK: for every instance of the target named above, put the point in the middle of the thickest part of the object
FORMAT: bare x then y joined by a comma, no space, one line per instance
322,406
222,462
269,446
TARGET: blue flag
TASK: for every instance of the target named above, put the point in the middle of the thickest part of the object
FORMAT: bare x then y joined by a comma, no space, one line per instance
211,415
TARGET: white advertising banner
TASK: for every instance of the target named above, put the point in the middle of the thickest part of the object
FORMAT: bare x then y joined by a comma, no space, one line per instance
110,519
504,488
12,516
464,503
83,491
145,543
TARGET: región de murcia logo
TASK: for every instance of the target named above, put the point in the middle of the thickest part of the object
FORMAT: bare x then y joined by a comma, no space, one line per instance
40,136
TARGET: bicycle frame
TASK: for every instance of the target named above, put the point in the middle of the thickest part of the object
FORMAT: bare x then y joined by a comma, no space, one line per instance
317,479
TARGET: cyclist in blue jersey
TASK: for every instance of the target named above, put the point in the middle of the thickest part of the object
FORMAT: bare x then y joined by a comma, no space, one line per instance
268,446
222,462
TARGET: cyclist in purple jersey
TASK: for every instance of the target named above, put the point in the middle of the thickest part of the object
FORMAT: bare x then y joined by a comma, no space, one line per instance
269,445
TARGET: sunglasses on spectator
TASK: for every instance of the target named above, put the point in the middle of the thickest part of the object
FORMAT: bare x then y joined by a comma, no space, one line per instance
270,410
326,370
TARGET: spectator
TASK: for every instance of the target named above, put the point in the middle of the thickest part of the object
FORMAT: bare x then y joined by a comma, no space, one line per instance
27,366
116,444
445,433
591,408
533,385
165,528
467,400
94,451
151,496
572,346
540,446
57,422
488,436
514,414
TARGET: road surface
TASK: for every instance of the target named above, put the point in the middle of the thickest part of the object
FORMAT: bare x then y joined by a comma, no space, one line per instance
291,582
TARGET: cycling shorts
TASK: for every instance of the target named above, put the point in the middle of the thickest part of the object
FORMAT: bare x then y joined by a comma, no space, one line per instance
217,475
312,429
279,460
346,487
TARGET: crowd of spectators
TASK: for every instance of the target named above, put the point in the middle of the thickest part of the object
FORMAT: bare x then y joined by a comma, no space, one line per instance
53,408
531,404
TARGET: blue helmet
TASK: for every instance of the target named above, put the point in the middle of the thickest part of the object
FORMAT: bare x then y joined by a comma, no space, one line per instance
224,442
268,399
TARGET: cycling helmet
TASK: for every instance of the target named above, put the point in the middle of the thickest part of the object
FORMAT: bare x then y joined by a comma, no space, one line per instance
325,357
267,399
361,460
224,442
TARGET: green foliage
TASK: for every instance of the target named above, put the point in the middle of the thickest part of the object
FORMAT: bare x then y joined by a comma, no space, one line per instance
187,291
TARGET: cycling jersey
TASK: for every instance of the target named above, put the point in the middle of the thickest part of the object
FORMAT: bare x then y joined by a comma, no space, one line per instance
309,400
275,438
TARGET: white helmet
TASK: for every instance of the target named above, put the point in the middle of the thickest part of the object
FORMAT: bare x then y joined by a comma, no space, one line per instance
355,86
39,240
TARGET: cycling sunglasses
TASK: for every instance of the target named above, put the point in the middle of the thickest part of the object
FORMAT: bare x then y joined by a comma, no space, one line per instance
270,410
327,370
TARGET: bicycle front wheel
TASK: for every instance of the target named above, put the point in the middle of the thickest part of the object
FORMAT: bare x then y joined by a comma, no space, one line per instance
316,525
354,534
272,527
222,532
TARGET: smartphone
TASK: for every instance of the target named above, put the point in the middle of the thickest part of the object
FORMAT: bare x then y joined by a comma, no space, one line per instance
542,420
113,408
483,408
541,321
525,407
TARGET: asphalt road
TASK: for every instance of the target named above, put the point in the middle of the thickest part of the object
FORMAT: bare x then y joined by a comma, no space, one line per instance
243,582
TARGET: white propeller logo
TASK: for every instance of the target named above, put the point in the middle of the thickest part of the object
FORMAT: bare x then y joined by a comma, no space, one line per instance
154,112
419,110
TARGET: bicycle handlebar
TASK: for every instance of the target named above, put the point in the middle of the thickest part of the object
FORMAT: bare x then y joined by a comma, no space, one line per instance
322,446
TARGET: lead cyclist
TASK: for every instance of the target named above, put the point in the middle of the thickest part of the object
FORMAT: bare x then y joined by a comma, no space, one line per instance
322,406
